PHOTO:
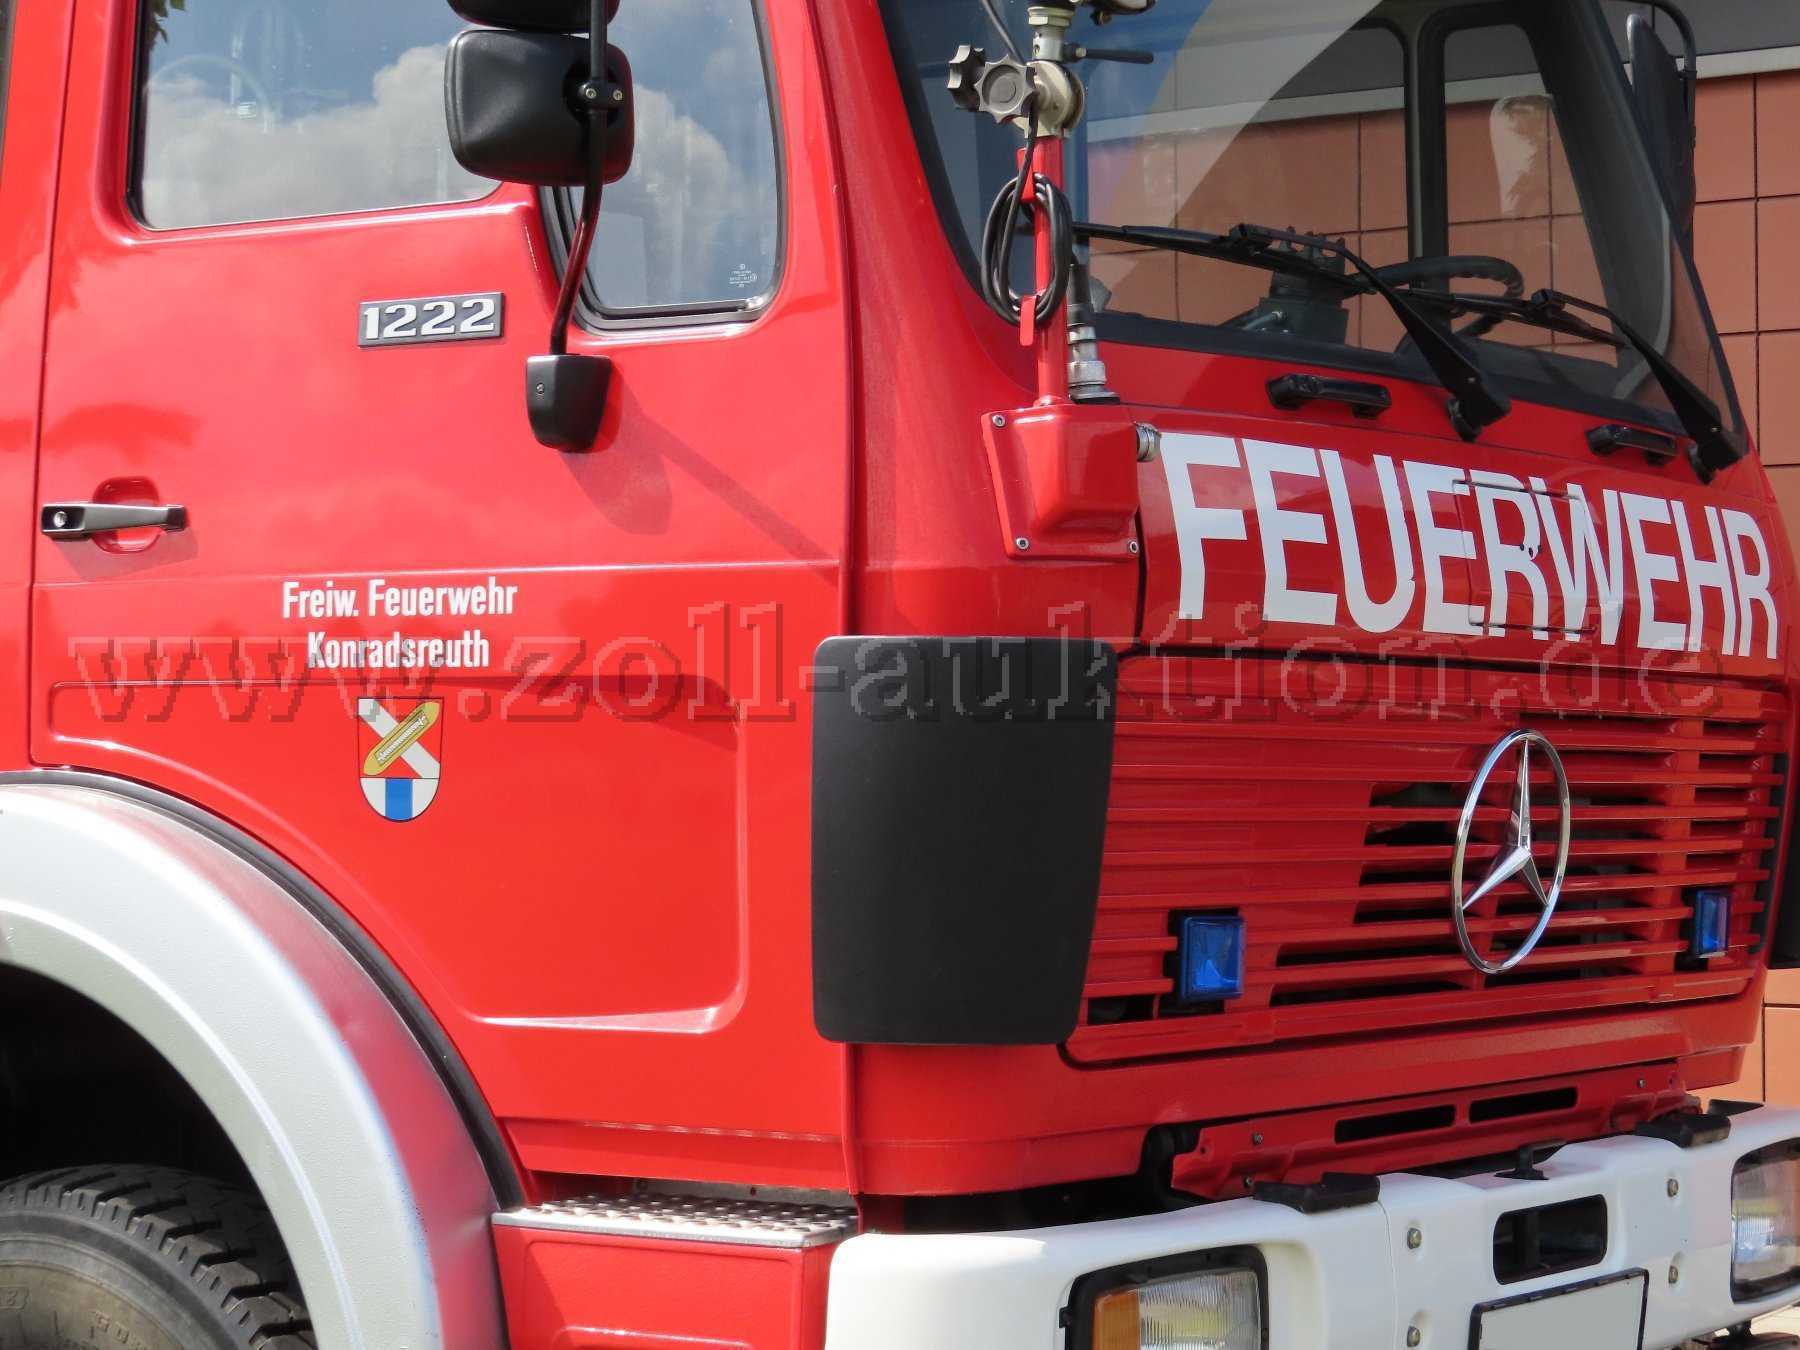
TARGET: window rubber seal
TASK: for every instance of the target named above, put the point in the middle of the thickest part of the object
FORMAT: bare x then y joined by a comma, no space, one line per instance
558,207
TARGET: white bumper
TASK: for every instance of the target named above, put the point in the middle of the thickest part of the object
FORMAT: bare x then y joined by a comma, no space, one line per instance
1344,1280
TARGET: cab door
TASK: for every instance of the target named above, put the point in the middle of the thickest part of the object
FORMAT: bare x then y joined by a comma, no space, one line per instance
34,47
520,712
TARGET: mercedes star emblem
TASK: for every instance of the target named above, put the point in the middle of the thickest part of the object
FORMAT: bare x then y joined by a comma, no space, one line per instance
1514,861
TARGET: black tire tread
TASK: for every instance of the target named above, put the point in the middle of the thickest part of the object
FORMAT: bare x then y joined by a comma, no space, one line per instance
221,1240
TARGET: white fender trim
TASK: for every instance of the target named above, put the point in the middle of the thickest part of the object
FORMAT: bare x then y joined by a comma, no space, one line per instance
355,1144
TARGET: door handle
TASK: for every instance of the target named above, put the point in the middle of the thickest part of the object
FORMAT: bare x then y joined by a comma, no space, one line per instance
84,520
1293,392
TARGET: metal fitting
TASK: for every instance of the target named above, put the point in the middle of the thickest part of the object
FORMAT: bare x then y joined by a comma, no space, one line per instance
1414,1336
999,419
1087,372
1674,1188
1414,1239
1061,99
1022,544
1044,90
1049,31
1001,88
1149,443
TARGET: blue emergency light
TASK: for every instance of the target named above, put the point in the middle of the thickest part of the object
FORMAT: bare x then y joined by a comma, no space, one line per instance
1211,958
1712,921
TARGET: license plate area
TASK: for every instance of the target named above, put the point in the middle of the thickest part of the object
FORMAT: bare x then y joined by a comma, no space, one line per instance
1603,1314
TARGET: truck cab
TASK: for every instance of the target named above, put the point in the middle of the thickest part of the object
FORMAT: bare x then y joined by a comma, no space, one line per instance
879,674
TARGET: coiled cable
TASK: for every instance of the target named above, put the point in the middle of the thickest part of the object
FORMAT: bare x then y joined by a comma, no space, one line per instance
1009,210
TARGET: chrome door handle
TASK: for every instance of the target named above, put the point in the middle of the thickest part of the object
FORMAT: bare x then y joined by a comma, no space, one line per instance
84,520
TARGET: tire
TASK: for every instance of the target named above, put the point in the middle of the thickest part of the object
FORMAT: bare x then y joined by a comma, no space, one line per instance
143,1258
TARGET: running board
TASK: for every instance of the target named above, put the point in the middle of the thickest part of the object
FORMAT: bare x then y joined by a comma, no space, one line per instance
676,1218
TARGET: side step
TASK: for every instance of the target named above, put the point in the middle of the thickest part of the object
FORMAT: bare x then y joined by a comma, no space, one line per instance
675,1272
680,1218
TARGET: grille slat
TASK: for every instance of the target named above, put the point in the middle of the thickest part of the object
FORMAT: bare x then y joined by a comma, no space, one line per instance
1648,741
1610,777
1180,815
1333,836
1579,850
1432,890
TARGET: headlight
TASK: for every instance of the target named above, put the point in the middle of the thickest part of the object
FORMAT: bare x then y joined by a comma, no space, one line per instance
1179,1303
1765,1221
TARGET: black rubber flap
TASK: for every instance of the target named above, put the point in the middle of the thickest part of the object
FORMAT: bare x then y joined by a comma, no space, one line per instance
1333,1191
1688,1129
959,809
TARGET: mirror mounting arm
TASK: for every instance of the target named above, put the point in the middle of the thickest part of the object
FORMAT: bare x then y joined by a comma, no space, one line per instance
565,394
1690,49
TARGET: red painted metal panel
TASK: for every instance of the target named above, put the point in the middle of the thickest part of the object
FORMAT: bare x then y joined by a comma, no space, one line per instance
1334,844
572,1291
606,906
989,1119
1414,1132
605,903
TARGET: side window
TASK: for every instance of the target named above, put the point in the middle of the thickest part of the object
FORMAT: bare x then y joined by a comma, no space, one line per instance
695,226
273,109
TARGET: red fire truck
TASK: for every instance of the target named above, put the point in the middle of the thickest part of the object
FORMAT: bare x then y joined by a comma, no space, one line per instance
879,675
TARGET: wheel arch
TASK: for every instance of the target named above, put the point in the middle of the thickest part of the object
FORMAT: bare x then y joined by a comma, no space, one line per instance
354,1125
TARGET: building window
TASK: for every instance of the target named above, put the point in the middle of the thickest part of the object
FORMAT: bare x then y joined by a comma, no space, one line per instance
273,109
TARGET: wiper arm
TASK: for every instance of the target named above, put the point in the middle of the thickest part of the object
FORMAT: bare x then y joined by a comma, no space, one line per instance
1716,446
1200,244
1556,320
1474,404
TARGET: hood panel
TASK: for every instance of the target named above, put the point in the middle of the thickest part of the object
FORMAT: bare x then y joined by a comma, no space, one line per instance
1270,535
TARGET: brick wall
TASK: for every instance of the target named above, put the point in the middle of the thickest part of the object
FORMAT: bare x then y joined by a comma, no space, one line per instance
1746,239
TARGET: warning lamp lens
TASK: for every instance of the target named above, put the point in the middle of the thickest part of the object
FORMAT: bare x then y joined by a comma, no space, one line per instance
1212,959
1765,1222
1712,922
1210,1310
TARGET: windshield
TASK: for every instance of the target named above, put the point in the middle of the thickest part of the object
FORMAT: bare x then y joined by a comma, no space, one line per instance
1522,169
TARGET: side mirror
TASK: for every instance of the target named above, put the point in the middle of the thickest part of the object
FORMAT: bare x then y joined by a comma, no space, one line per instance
513,102
1662,96
528,102
537,16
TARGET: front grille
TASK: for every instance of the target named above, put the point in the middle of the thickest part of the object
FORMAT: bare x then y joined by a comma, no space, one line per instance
1319,801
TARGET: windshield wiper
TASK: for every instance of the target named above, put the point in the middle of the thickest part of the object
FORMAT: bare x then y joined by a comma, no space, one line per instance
1716,446
1475,404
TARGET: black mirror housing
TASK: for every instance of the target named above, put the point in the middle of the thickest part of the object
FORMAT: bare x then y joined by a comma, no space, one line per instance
528,102
512,103
1662,100
537,16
